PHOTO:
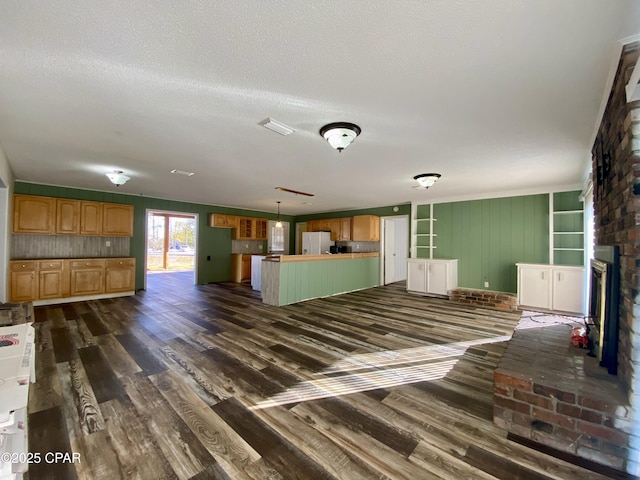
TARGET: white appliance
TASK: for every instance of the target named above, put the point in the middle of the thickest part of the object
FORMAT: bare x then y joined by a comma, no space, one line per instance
316,243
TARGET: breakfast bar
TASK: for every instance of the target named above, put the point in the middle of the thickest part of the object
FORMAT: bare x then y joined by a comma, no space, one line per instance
290,279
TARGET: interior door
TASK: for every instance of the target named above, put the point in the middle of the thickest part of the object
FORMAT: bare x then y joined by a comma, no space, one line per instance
396,235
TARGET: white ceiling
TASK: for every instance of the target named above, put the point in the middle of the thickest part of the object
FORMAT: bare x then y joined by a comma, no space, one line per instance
498,96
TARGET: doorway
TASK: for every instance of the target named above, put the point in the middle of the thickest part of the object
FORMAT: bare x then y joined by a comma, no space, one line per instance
394,248
171,246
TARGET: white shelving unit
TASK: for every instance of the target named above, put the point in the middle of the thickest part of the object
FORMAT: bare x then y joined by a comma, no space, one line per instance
423,242
566,227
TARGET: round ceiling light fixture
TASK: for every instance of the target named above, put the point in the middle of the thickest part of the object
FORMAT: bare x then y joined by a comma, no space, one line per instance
425,180
340,134
118,177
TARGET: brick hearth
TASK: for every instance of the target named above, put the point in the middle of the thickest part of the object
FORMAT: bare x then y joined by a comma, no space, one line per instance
486,298
554,394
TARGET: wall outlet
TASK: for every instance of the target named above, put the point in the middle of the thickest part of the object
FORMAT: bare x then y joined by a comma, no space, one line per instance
357,246
107,243
246,245
486,284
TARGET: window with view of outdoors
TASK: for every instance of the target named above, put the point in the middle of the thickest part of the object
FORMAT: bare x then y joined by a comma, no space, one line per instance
278,237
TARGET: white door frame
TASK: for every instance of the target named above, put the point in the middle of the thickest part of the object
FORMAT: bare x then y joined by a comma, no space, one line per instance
382,244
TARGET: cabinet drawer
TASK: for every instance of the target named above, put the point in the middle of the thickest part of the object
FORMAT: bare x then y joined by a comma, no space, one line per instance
121,262
49,265
23,266
88,263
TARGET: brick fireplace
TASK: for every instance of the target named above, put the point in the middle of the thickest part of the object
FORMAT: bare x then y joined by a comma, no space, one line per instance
550,393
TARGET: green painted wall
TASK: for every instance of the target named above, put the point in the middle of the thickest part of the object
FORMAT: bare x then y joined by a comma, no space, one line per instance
304,280
489,236
213,242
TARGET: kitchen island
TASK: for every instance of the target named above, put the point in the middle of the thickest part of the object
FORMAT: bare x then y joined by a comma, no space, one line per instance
289,279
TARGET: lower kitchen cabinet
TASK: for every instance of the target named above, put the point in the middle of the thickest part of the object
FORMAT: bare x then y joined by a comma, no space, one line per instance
55,279
432,276
87,277
120,275
551,287
240,267
24,281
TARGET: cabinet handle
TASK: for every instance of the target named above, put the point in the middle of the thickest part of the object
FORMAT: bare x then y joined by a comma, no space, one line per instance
120,263
542,273
23,266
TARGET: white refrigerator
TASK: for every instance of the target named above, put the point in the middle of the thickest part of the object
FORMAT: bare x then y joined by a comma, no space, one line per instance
316,243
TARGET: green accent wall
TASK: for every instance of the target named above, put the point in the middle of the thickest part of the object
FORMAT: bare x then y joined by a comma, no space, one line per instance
488,237
304,280
213,242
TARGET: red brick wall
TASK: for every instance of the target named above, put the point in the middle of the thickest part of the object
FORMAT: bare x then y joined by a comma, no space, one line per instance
616,172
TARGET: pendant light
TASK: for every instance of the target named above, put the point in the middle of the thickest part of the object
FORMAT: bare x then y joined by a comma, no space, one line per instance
278,222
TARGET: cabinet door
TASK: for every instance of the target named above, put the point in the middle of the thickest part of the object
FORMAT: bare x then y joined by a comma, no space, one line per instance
335,226
246,267
260,229
417,276
117,220
365,228
89,281
24,283
67,216
33,214
120,275
313,225
437,277
51,284
568,290
244,230
345,229
534,286
90,218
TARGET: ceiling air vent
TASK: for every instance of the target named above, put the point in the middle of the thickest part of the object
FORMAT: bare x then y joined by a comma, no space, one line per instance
277,126
182,172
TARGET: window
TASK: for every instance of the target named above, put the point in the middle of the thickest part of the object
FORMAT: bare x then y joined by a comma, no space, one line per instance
278,241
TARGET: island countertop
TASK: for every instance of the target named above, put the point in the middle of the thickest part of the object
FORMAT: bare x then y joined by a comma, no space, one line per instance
314,258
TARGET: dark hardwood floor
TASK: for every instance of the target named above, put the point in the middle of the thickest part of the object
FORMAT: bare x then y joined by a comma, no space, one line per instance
206,382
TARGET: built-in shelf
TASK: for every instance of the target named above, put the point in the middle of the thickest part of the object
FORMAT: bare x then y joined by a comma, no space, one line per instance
566,224
423,236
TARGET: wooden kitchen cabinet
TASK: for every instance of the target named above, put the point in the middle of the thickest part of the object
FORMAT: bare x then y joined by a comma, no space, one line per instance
53,279
335,226
34,214
117,220
90,218
365,228
261,228
313,225
245,229
87,276
223,221
120,275
67,216
246,267
24,281
345,229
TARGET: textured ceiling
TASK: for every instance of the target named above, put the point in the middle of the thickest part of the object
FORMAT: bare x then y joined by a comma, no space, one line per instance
498,96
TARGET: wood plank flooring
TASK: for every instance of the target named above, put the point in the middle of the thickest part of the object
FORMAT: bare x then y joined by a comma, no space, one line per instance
206,382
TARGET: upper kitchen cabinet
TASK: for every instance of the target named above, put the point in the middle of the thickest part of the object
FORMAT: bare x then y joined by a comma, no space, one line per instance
90,218
245,230
345,229
335,227
224,221
261,228
67,216
34,214
365,228
117,220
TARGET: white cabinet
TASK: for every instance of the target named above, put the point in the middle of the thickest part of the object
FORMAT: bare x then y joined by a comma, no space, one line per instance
431,276
551,287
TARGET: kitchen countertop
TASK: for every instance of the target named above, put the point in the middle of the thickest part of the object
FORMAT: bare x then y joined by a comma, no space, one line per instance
314,258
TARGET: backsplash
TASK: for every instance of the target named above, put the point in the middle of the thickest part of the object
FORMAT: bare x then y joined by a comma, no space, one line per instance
248,246
68,246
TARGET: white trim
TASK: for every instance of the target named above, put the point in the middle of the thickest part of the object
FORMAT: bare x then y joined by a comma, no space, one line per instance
83,298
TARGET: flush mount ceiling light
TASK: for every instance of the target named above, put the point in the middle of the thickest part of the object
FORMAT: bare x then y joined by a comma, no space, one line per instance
340,134
276,126
278,222
425,180
118,178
